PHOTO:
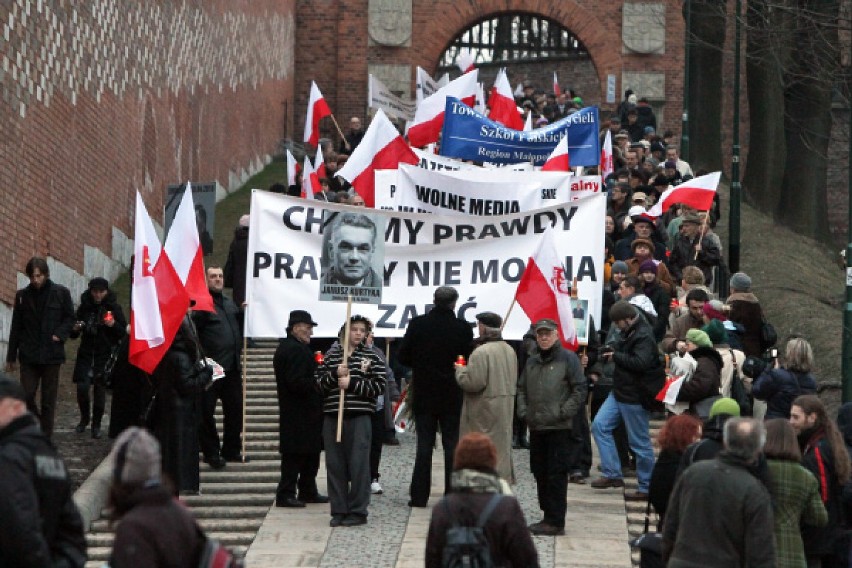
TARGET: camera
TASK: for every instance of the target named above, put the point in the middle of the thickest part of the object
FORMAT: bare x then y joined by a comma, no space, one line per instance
605,350
753,366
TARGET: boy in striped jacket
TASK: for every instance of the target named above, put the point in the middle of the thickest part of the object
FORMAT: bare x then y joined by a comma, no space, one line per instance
360,378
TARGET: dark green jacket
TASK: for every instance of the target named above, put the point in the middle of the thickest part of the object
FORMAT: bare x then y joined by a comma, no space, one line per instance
551,389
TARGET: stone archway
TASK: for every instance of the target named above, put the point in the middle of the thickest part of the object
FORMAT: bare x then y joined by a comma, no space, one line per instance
455,17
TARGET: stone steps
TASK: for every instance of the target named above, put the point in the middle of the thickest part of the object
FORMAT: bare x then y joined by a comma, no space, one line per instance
234,501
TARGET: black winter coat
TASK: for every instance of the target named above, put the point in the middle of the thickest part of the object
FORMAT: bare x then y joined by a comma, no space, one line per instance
39,522
179,382
235,267
97,339
706,380
779,388
662,484
220,333
635,356
683,255
299,399
37,316
828,541
430,347
662,305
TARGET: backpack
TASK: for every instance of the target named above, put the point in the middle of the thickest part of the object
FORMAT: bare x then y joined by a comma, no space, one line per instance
466,546
738,389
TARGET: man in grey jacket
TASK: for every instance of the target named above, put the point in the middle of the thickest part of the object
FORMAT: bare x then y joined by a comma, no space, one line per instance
551,391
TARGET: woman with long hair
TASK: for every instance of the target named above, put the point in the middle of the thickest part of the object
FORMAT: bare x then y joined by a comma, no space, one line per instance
824,455
677,433
794,491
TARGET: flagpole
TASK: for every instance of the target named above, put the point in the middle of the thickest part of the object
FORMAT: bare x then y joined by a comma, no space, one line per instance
701,236
244,379
337,126
345,362
508,313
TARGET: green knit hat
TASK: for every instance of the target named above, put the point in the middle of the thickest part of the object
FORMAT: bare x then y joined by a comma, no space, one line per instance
727,406
715,330
699,338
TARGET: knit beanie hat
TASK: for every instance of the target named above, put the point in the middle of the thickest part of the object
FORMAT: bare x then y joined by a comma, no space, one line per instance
741,281
475,451
619,266
621,310
648,266
727,406
698,337
715,330
714,310
136,457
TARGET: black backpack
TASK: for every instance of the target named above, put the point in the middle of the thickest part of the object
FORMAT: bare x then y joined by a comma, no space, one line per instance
466,546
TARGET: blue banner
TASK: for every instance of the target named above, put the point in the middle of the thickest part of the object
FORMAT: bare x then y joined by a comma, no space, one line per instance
470,135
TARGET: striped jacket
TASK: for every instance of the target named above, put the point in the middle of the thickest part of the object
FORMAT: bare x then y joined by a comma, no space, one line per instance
367,372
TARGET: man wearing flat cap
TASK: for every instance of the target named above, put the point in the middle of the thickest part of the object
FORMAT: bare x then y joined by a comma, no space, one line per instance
39,522
489,382
300,414
551,391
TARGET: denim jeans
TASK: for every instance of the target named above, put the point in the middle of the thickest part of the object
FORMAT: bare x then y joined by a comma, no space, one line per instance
635,419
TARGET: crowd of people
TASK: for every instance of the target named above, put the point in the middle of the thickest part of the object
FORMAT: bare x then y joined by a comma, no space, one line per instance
751,470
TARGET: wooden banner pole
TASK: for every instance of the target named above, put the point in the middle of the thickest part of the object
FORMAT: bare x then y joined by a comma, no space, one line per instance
345,362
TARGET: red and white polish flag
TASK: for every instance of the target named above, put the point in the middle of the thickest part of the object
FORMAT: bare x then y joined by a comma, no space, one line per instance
292,169
158,299
310,181
382,148
556,90
697,193
528,123
317,110
558,161
502,103
429,116
539,294
465,61
183,248
606,156
319,164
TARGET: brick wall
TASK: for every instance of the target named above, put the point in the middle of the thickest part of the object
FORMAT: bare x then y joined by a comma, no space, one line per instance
99,99
337,55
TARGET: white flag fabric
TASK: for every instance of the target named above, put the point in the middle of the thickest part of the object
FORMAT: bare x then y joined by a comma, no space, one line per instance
291,169
147,324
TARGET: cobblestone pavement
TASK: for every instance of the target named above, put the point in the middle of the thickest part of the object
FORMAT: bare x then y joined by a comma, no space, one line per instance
395,536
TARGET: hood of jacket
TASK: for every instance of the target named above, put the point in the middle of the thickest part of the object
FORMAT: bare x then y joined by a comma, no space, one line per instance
479,481
710,353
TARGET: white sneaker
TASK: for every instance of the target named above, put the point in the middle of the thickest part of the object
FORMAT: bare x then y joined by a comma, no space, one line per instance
375,488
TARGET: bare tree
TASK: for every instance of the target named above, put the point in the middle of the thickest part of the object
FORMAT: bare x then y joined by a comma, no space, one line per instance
793,64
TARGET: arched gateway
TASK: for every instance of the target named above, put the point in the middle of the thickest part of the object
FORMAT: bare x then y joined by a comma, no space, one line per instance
636,45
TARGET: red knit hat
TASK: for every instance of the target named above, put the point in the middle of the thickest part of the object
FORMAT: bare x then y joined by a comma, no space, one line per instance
475,451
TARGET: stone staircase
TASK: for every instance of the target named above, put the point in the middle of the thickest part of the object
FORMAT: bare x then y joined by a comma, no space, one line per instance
636,509
234,501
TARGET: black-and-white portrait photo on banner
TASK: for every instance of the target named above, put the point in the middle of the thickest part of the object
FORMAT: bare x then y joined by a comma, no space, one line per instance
580,310
353,256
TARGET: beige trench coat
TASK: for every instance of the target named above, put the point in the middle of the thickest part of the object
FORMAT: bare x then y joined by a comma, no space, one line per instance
489,382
